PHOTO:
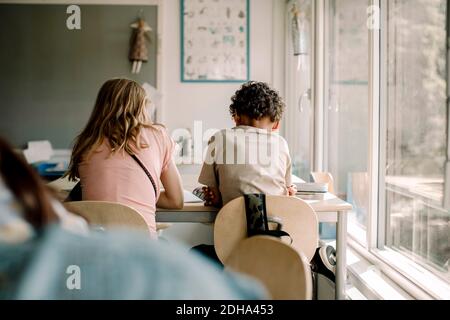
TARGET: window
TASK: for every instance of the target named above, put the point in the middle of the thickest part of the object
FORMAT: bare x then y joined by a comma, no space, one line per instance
299,117
414,148
347,106
408,219
386,126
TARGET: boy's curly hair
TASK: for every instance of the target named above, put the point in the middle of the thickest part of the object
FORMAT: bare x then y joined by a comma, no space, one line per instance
257,100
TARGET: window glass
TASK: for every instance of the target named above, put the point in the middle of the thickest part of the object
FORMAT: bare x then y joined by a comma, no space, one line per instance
299,116
347,106
416,137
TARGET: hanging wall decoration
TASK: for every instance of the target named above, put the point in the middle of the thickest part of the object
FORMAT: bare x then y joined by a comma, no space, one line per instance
215,40
138,48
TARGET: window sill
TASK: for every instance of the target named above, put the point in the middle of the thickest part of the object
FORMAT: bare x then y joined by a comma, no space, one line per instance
378,274
371,282
407,268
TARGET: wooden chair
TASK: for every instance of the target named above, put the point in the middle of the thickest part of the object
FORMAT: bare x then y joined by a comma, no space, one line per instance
298,218
284,271
324,177
108,214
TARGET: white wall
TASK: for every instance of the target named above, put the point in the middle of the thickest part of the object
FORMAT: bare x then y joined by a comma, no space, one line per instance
185,103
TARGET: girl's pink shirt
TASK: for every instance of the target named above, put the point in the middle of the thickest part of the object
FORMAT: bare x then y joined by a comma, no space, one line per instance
119,178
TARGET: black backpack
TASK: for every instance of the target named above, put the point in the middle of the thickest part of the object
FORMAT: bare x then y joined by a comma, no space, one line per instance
257,219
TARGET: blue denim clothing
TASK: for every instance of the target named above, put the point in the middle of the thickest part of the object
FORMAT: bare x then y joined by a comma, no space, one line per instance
13,227
113,265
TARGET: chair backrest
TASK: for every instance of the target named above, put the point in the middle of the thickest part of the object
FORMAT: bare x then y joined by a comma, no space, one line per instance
298,218
284,271
108,214
324,177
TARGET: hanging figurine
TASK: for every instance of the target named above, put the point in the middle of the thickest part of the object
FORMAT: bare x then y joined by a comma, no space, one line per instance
138,49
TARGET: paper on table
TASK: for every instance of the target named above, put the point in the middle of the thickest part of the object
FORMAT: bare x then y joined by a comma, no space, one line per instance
38,151
312,187
296,179
189,197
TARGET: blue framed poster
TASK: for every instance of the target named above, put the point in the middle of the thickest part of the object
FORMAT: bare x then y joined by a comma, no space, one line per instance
215,40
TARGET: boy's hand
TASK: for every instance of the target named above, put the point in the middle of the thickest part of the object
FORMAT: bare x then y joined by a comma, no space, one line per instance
292,190
212,197
209,195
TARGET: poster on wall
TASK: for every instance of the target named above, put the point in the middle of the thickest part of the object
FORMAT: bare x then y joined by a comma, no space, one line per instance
215,40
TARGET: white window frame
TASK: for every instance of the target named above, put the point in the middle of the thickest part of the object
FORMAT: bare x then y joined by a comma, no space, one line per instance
374,170
418,281
320,78
322,67
447,167
290,132
423,278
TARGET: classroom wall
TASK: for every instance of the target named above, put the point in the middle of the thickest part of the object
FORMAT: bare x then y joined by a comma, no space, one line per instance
185,103
50,75
45,97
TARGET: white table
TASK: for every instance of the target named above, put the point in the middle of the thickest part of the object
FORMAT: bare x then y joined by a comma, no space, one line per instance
332,209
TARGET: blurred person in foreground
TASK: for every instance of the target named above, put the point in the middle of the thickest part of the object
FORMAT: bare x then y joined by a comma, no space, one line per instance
47,253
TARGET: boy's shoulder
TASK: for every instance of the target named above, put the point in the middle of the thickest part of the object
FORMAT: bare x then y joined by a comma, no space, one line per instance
247,131
220,134
230,134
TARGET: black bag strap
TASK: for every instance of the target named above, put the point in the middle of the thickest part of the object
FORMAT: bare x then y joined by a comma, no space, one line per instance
147,173
255,205
257,220
76,193
278,232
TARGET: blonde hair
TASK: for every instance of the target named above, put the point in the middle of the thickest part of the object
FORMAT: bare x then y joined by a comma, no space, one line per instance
119,115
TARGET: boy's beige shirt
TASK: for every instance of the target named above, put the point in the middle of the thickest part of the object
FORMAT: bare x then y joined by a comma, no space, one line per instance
246,160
